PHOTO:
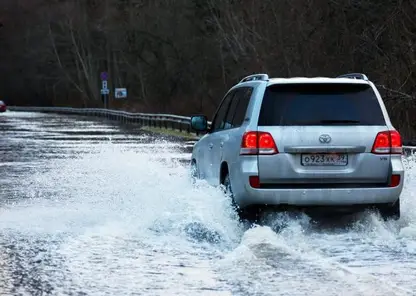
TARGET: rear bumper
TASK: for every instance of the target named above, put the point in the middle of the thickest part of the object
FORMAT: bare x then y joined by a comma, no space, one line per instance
245,195
318,197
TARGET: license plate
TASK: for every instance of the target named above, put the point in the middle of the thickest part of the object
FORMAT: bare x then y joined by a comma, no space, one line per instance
324,159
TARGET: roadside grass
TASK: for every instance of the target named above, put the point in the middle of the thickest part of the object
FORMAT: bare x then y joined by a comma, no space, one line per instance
170,132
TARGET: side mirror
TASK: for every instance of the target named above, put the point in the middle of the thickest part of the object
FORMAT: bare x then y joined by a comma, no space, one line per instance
199,123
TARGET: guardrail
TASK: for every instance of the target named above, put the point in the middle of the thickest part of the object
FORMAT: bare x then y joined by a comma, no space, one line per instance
167,121
409,150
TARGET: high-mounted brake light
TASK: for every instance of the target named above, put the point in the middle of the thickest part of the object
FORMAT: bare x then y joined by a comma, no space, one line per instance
388,142
254,143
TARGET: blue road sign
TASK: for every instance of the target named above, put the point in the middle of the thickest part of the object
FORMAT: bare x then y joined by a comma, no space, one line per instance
104,76
120,93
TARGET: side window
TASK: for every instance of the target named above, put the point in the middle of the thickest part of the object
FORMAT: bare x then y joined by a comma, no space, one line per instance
244,96
219,118
231,111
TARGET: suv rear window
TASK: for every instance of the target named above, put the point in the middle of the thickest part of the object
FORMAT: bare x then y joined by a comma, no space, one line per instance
320,104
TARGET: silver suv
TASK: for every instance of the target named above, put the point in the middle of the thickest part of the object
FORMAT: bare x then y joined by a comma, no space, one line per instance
309,143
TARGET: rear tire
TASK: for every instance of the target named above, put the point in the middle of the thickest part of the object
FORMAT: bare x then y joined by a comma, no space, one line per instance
248,214
390,211
194,172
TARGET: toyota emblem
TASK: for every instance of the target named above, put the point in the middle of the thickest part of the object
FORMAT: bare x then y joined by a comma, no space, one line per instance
324,139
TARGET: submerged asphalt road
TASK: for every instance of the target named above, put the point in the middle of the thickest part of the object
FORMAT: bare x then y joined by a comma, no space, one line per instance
88,207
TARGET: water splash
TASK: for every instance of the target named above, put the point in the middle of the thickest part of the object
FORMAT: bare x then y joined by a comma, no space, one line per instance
123,218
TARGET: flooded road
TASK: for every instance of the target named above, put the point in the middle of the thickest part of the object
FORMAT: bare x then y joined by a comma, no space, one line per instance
89,207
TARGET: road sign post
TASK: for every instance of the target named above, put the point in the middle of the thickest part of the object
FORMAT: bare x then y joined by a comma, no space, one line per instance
104,88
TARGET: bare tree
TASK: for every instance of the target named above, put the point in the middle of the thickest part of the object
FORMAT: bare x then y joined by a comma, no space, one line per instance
181,56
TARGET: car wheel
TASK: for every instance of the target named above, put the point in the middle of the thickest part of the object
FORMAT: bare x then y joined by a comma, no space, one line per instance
243,214
390,211
194,172
228,191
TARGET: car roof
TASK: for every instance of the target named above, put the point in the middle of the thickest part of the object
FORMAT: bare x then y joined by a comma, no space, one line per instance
296,80
349,78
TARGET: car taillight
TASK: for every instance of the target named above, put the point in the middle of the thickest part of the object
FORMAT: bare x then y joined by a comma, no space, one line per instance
254,143
254,181
394,180
396,143
387,142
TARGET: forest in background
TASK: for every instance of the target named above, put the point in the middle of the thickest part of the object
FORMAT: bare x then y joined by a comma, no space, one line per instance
181,56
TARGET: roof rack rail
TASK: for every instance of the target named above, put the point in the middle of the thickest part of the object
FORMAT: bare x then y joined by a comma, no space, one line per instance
354,76
262,77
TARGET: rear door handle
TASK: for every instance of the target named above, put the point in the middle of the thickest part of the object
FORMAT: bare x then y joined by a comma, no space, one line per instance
210,145
221,144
